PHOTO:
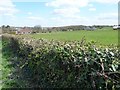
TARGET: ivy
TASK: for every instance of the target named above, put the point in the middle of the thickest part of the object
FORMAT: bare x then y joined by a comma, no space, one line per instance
54,64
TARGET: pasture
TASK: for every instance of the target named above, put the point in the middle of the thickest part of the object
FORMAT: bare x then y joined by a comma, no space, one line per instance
45,59
105,36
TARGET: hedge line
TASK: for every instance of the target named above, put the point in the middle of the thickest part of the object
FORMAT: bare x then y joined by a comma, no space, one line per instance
54,64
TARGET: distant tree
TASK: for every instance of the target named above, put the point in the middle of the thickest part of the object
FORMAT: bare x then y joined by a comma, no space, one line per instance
7,26
4,30
49,30
7,29
3,26
37,29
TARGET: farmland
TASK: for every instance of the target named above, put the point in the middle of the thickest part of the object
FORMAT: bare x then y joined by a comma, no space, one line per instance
50,64
105,36
53,62
60,44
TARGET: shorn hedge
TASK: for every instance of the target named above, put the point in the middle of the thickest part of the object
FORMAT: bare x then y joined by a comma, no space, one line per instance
54,64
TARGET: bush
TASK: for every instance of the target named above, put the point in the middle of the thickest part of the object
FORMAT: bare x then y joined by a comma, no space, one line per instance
54,64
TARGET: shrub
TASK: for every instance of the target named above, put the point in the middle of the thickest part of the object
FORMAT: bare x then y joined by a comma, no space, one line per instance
54,64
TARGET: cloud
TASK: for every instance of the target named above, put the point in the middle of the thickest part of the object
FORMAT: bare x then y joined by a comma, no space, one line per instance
56,21
7,3
66,3
67,8
77,3
108,16
92,9
37,20
70,8
7,8
70,11
62,21
106,1
31,0
67,12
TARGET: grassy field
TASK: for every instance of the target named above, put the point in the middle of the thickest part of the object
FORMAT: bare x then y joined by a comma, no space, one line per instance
4,70
103,36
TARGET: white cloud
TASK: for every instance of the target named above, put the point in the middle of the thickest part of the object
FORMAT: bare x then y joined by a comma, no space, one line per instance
92,9
77,3
100,19
67,8
63,21
56,21
7,3
70,11
37,20
106,1
108,16
65,3
31,0
7,8
67,12
70,8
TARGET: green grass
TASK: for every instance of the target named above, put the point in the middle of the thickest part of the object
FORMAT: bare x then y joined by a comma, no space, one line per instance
103,36
4,68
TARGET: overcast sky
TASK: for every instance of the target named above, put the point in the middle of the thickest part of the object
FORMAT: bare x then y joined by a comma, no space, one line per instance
58,12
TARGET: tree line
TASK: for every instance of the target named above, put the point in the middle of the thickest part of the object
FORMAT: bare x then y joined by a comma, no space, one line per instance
40,29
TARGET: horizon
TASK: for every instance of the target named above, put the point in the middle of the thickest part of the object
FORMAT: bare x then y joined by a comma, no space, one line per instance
57,26
56,13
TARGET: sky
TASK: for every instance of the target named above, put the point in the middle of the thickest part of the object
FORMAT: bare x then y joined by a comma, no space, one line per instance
49,13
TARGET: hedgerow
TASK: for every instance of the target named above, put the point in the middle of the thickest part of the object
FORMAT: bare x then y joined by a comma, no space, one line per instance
54,64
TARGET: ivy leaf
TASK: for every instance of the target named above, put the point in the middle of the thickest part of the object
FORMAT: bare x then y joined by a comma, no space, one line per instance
113,67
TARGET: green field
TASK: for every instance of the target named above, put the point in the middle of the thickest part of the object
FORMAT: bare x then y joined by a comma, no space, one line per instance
12,67
105,36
